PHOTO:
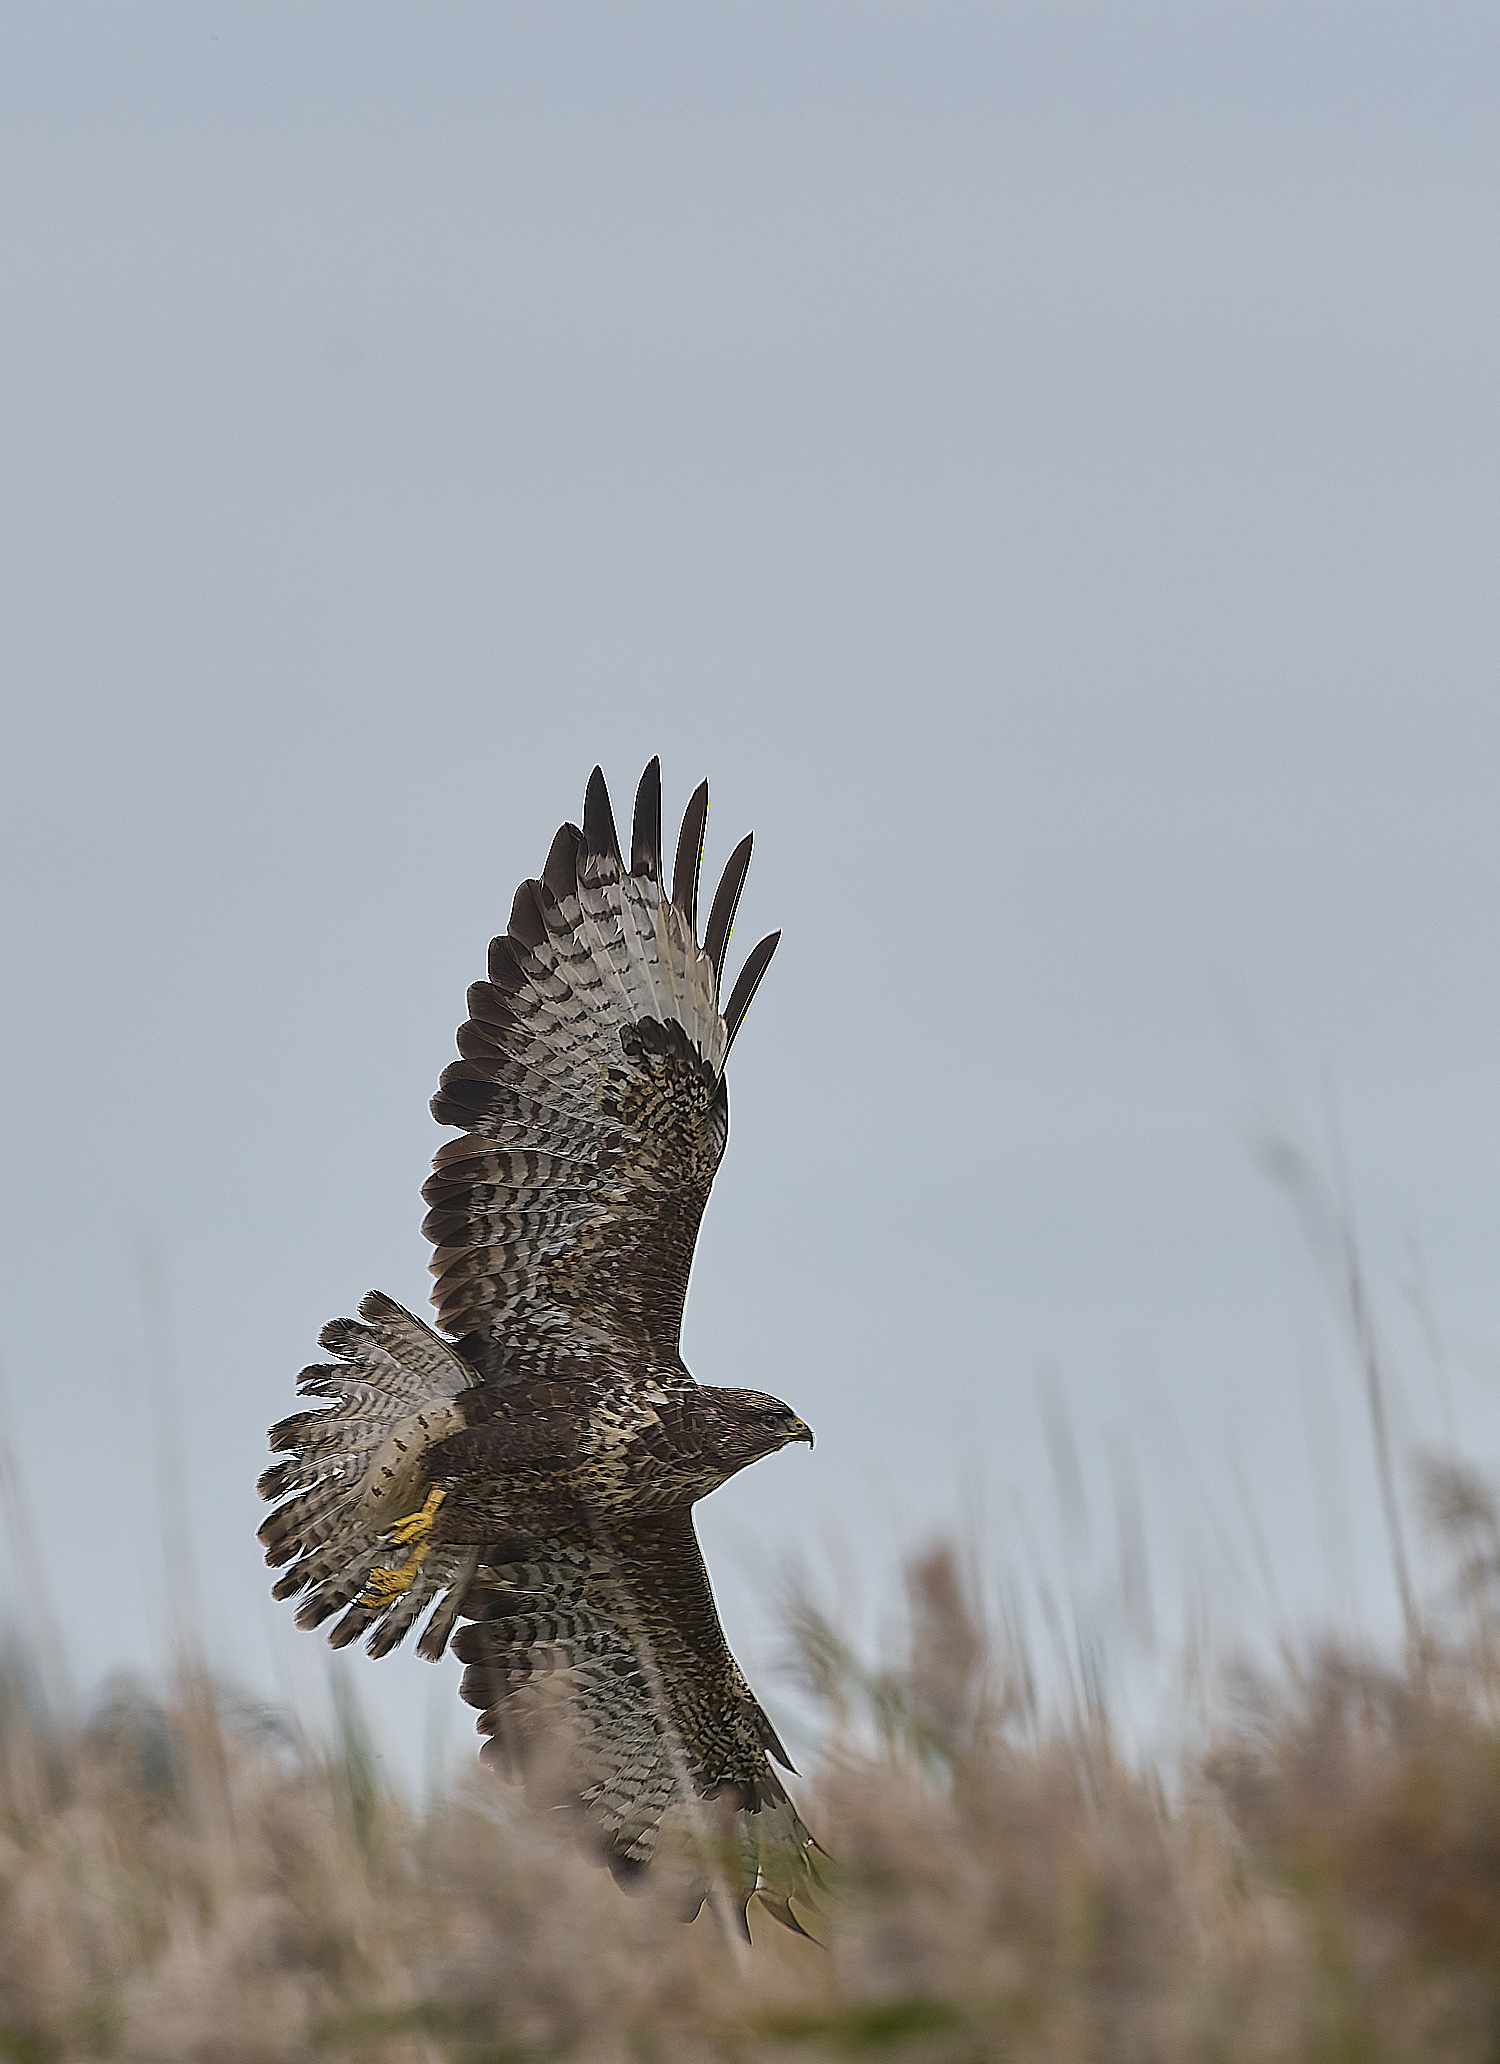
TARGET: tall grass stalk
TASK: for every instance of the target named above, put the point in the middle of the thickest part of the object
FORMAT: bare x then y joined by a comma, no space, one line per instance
1326,1211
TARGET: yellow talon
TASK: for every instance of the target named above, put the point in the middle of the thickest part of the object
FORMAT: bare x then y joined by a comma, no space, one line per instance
417,1525
384,1586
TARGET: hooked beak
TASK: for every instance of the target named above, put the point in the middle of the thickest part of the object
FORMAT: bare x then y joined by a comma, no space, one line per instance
804,1433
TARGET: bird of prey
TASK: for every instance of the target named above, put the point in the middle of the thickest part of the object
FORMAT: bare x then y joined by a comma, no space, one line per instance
530,1470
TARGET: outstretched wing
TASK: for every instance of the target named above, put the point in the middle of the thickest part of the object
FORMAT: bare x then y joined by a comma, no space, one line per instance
613,1632
591,1091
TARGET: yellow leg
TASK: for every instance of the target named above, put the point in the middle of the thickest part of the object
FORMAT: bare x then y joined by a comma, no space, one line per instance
417,1525
384,1586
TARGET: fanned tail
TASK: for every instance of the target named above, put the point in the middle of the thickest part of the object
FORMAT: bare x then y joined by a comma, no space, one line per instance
354,1469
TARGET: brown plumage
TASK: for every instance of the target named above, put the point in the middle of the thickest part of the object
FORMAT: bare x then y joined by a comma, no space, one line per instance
534,1472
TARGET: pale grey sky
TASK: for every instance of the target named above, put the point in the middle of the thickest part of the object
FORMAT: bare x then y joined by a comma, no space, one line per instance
1039,461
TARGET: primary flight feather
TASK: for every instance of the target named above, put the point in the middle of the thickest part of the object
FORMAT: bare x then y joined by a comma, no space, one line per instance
531,1470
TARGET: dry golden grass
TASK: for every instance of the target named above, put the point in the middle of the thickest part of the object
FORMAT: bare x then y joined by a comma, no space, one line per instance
183,1882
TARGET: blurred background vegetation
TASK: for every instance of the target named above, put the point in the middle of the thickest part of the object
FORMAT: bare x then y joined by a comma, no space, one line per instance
1317,1878
1306,1867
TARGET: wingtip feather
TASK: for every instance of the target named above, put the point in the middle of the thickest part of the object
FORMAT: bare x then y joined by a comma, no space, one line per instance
645,831
600,838
726,902
690,856
560,874
749,981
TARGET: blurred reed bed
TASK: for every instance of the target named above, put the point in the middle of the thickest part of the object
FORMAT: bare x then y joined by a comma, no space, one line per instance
188,1879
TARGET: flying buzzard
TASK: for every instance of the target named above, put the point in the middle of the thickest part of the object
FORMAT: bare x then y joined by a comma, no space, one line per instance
531,1470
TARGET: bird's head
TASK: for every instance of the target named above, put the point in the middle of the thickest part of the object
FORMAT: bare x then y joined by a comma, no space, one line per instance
748,1424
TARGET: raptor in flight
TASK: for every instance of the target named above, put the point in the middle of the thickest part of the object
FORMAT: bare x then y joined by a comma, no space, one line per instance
530,1470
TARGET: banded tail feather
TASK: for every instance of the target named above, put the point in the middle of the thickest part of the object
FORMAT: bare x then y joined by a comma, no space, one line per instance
353,1470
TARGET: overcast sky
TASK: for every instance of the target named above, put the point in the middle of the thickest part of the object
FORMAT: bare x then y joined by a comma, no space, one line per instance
1038,460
